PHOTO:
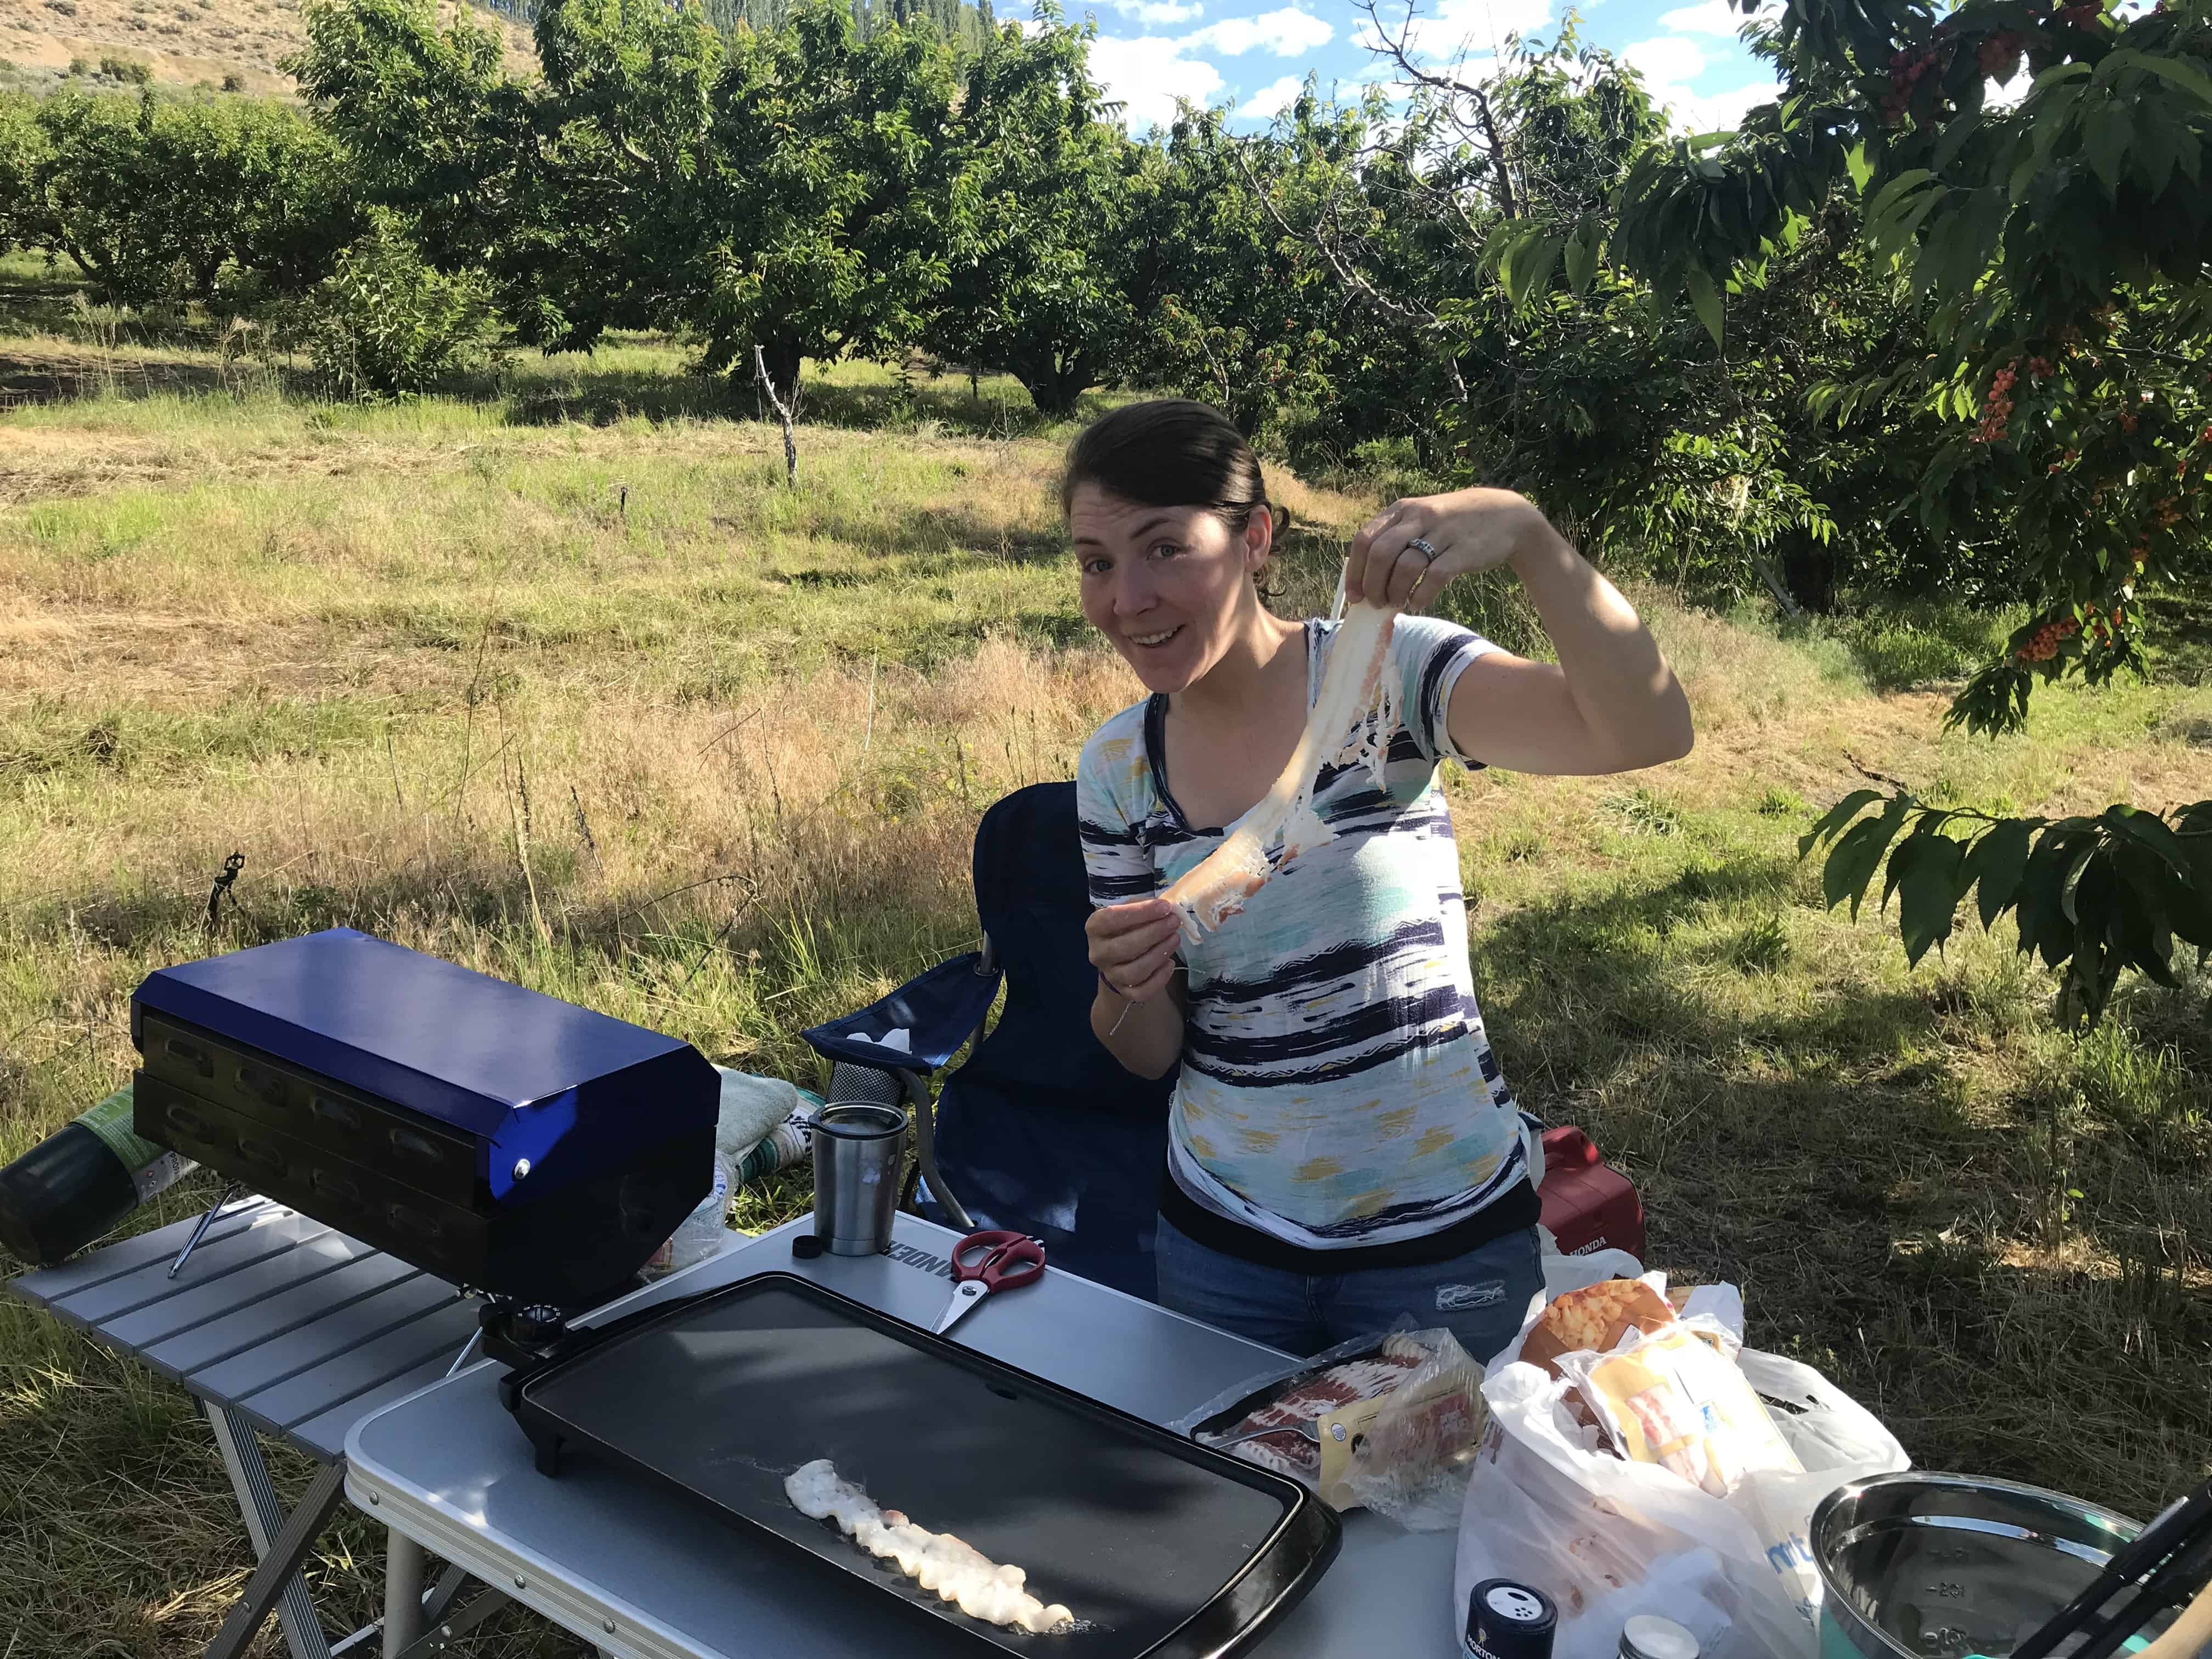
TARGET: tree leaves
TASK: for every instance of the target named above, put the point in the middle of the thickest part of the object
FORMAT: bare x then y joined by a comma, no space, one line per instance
2092,896
1705,299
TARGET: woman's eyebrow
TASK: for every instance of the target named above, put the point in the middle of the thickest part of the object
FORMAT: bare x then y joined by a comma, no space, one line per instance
1136,533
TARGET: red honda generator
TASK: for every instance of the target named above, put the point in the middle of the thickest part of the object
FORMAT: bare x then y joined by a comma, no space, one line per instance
1588,1205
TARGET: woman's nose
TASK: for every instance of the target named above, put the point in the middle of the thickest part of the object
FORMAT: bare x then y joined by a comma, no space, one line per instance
1134,592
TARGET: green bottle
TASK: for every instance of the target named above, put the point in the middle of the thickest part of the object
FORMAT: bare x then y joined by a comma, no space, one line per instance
78,1182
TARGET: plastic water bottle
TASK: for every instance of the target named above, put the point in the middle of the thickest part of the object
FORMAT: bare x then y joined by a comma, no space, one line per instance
700,1233
81,1181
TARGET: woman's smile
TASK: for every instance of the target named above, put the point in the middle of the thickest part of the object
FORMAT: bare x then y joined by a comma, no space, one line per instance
1153,642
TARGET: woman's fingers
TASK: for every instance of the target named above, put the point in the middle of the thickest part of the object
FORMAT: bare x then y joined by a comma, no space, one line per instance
1380,568
1131,945
1152,984
1141,977
1371,548
1115,922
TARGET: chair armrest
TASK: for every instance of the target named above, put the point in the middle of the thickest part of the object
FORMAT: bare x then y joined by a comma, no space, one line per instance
922,1025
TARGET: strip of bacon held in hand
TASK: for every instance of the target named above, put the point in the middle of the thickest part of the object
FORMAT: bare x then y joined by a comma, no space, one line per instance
1353,718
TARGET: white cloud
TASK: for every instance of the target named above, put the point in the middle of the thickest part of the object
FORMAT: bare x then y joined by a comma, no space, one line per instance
1705,17
1286,33
1669,63
1156,12
1458,27
1268,102
1723,112
1148,75
1667,60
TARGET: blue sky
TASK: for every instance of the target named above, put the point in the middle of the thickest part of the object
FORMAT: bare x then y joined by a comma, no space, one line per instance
1150,52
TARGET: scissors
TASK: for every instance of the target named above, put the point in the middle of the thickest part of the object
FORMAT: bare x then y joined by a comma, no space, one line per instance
988,1261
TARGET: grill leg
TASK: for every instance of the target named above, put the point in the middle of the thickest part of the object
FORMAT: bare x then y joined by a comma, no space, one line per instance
402,1593
200,1232
264,1519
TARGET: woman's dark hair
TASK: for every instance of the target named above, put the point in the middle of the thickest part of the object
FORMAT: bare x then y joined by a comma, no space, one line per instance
1168,453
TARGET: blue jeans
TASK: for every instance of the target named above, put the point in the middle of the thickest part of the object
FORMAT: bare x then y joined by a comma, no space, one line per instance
1479,1297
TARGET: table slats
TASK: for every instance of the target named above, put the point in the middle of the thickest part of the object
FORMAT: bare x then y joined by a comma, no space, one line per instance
234,1292
272,1316
347,1375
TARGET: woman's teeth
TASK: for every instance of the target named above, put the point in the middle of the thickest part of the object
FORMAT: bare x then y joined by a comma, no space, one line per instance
1156,639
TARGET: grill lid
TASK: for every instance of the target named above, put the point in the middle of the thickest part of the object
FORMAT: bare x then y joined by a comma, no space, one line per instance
540,1084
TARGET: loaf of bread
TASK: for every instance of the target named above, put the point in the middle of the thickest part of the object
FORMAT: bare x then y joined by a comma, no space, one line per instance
1595,1318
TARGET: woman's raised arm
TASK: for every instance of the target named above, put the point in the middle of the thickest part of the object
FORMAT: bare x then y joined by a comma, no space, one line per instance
1609,704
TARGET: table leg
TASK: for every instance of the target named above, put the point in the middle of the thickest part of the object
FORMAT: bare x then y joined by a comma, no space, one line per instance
264,1519
281,1566
402,1593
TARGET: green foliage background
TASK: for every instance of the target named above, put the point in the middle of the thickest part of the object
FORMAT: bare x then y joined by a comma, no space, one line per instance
1890,338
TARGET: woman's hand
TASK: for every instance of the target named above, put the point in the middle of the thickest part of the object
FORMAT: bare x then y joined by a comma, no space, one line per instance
1468,531
1133,947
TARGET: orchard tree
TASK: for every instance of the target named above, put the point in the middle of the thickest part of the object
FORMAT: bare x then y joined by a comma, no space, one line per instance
161,202
1248,314
23,148
1481,329
1052,271
579,198
2058,248
830,209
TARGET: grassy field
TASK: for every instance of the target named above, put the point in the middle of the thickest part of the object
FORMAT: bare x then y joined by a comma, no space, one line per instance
559,681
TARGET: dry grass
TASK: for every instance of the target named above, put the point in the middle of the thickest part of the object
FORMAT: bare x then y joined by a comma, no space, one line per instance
708,757
189,43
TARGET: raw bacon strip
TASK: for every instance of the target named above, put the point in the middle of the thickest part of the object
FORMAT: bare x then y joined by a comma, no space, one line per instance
1353,721
958,1572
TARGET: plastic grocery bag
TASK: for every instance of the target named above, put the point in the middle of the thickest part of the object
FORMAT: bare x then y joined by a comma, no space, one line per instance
1607,1537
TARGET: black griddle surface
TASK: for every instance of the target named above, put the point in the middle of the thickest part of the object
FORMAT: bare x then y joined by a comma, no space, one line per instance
1136,1530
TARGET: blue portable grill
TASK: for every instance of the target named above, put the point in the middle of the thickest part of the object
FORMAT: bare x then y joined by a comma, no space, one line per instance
500,1139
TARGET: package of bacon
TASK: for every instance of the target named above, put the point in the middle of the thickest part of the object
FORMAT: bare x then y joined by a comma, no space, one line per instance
1383,1422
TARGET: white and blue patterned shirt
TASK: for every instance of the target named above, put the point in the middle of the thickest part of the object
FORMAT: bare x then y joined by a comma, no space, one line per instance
1337,1089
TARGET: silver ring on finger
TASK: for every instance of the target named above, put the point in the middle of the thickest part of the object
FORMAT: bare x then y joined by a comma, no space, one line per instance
1423,546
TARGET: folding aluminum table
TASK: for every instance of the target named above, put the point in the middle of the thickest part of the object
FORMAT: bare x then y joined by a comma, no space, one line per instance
279,1325
623,1567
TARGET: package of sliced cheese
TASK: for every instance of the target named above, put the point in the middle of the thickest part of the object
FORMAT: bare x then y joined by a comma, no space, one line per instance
1675,1398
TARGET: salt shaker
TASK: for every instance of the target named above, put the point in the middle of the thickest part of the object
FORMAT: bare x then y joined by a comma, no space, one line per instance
1647,1636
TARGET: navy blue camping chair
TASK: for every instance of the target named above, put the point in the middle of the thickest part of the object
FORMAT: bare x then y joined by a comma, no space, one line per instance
1041,1130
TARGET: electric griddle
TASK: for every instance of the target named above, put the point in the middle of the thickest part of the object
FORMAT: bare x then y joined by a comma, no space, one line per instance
1162,1549
501,1139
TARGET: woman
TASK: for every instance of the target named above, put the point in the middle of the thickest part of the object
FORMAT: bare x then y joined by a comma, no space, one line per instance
1342,1149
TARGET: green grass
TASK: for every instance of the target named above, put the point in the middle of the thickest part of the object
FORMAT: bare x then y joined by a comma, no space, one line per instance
708,756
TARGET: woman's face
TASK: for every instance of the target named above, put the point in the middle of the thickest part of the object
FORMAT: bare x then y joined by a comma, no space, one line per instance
1169,586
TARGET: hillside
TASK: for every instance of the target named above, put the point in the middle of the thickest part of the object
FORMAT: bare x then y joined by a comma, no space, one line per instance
235,45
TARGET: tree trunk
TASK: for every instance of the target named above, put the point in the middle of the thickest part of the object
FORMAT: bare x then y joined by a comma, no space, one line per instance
1054,387
782,359
786,410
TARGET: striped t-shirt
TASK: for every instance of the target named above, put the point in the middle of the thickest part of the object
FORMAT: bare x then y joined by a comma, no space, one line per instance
1337,1092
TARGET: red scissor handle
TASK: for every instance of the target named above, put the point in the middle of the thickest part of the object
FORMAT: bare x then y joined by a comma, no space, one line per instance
1005,1261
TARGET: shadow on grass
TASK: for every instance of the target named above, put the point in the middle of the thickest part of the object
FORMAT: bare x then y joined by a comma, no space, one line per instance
36,301
1826,1152
602,397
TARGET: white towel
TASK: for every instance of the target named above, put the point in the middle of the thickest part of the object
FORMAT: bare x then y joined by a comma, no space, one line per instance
752,1106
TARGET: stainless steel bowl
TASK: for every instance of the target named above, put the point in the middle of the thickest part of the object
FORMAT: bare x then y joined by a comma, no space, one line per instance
1940,1566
